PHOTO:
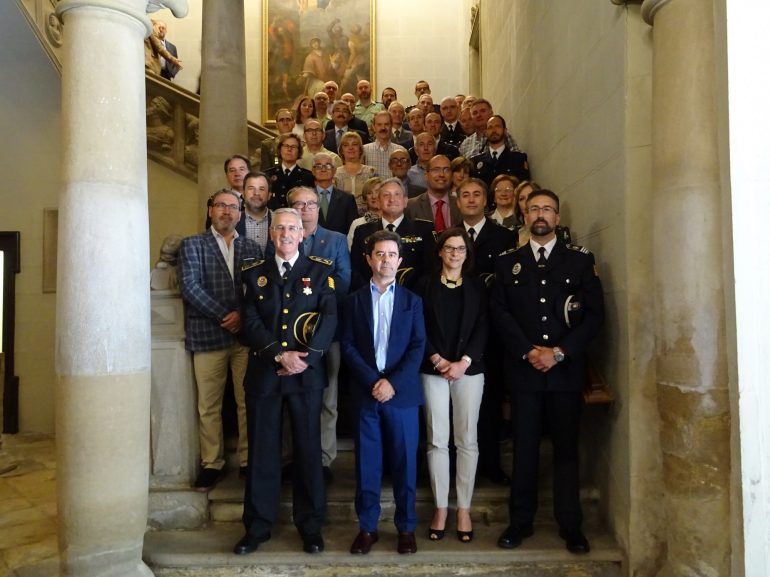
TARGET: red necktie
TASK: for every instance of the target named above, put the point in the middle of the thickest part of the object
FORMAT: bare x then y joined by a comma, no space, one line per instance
439,223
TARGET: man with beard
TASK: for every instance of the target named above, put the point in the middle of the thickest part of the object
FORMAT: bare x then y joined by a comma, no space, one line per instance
434,204
210,283
289,320
481,112
377,153
365,107
498,158
416,237
255,218
548,304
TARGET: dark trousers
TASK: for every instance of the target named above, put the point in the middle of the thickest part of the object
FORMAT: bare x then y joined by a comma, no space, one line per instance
384,429
263,485
558,414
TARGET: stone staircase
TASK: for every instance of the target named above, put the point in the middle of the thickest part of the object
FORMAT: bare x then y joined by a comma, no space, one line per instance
208,551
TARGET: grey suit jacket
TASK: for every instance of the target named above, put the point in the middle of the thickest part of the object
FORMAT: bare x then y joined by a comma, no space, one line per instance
419,207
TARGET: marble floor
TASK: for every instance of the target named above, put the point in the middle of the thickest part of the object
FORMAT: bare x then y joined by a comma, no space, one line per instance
28,523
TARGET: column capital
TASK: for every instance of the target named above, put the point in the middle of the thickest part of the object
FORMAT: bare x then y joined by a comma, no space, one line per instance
650,8
126,8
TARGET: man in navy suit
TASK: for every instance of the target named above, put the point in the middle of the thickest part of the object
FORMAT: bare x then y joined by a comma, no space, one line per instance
343,120
331,246
210,283
383,340
289,321
337,208
168,69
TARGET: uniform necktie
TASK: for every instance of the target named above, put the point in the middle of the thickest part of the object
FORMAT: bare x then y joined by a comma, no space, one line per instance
390,227
494,157
287,172
440,225
541,260
324,202
472,234
286,269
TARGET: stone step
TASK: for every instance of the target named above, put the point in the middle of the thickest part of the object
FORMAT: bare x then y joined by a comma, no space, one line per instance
208,553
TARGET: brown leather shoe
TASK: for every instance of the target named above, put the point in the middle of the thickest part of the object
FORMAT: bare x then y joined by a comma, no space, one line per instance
406,543
363,542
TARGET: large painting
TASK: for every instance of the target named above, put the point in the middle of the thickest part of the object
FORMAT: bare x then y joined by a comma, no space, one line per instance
309,42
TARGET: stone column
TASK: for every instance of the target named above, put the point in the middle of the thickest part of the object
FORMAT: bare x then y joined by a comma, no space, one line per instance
223,123
691,347
103,301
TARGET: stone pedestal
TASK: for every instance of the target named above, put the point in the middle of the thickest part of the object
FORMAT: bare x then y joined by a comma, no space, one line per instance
691,346
174,450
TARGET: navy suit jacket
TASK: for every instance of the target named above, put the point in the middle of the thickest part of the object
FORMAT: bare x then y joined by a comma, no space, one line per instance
342,211
406,345
208,290
330,137
170,69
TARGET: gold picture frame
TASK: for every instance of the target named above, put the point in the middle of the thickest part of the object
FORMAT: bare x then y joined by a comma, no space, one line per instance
306,43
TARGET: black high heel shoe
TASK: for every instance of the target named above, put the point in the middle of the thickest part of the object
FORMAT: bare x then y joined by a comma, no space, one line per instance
436,534
465,536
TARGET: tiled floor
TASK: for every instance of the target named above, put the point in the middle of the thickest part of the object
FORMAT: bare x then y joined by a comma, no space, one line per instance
28,545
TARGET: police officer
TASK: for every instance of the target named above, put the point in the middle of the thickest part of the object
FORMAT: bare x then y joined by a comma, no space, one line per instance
548,304
289,318
417,238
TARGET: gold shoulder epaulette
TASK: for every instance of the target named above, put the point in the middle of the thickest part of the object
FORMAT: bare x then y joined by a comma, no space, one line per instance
582,249
250,265
326,261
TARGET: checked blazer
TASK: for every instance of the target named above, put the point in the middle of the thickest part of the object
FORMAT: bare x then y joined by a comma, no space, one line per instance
208,290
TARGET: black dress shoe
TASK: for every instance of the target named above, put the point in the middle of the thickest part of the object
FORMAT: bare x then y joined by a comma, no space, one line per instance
248,544
513,536
497,476
206,479
406,543
575,540
363,542
312,543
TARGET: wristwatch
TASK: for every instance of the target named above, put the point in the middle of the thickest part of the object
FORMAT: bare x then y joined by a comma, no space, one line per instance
467,359
277,358
558,354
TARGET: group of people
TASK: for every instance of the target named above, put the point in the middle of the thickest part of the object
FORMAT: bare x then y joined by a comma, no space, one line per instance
450,287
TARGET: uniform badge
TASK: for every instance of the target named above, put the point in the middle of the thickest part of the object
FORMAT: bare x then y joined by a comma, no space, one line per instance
307,290
479,165
516,268
262,281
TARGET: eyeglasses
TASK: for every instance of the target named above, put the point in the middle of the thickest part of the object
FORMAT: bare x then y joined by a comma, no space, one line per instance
327,166
508,189
290,147
534,209
310,205
224,206
292,228
399,160
440,170
454,249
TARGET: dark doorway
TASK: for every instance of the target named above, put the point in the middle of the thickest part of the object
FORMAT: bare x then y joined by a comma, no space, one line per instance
11,265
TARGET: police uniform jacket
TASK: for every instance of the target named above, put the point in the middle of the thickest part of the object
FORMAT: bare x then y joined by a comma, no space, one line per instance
491,241
298,314
281,183
509,162
560,305
417,242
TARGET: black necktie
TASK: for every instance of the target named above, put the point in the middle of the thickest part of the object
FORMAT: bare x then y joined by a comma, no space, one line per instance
494,157
286,269
541,260
390,227
287,172
472,234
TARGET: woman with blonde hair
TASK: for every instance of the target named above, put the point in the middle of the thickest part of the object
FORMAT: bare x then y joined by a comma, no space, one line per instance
352,175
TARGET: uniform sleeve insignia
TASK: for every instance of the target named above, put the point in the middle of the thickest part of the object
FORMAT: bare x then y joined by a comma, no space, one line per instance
516,268
251,265
330,280
326,261
509,251
582,249
411,239
262,281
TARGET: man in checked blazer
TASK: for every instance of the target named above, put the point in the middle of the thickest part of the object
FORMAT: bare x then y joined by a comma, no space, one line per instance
210,282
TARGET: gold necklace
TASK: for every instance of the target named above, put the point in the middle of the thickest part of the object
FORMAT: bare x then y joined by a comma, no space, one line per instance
452,284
